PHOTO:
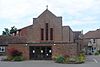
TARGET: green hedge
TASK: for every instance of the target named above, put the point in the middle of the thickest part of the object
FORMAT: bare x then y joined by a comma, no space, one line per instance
60,59
74,59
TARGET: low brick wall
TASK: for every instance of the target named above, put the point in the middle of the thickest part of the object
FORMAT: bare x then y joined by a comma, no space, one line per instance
57,49
20,47
65,49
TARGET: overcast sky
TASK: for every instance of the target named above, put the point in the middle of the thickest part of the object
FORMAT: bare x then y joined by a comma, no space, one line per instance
78,14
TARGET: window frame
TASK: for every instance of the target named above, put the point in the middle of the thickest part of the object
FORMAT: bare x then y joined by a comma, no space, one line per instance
2,49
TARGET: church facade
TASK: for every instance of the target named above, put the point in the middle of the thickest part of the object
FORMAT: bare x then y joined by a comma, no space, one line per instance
46,38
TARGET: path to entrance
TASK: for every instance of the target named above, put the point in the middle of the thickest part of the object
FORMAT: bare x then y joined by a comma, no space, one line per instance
92,59
44,64
48,63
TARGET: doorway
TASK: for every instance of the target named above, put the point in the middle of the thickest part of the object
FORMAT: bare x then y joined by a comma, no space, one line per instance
40,52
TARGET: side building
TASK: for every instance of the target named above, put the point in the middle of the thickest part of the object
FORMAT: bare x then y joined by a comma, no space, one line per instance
91,41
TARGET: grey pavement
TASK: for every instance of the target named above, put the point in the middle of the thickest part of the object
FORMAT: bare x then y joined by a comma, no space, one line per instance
2,57
92,59
44,63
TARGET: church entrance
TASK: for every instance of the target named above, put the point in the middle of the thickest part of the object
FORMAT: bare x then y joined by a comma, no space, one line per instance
40,52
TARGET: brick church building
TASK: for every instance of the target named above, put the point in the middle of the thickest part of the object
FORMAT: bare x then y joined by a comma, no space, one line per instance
45,38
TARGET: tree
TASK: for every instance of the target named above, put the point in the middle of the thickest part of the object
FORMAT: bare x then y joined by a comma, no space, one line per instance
13,29
8,32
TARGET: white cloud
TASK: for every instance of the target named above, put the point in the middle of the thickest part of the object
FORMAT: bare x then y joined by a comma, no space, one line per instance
13,9
72,7
78,22
20,8
81,11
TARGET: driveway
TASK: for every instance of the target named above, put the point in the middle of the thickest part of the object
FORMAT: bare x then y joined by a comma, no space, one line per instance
92,59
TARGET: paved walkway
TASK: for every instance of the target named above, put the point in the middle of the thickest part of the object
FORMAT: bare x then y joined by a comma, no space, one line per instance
2,57
92,59
42,63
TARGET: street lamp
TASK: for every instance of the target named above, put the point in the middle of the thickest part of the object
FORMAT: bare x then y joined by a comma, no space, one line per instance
54,44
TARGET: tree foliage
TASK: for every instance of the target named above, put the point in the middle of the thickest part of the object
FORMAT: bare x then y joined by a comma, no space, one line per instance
13,29
8,32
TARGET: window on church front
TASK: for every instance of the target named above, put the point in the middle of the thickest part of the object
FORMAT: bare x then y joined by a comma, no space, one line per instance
42,34
51,33
46,31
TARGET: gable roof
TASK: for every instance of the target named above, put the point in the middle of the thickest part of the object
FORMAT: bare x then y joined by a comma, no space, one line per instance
93,34
46,16
26,27
46,12
68,27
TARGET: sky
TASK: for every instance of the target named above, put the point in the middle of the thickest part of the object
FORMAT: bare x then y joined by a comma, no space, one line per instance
78,14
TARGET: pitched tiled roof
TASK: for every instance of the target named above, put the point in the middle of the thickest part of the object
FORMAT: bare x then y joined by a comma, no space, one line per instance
30,26
68,27
5,40
93,34
46,12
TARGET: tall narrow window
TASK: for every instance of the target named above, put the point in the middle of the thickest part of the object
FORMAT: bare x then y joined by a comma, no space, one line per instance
51,33
46,31
42,34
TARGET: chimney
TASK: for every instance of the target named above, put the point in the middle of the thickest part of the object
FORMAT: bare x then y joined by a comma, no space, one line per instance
34,20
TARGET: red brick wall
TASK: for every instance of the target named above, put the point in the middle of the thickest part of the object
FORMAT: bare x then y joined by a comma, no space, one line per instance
65,49
20,47
58,49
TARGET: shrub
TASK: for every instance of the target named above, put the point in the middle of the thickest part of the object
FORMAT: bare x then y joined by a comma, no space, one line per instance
15,53
18,58
97,53
54,57
60,59
9,58
72,59
81,57
66,56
